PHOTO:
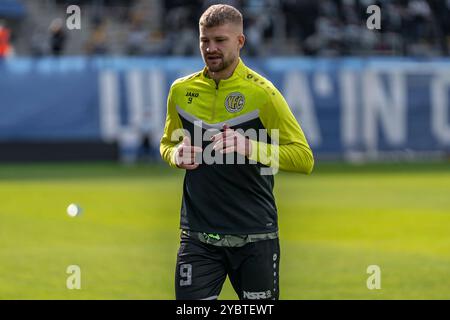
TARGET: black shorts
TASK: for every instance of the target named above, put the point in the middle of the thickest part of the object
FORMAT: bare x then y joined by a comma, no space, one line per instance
202,268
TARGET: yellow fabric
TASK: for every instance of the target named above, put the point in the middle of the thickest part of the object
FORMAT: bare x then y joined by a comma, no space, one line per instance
199,96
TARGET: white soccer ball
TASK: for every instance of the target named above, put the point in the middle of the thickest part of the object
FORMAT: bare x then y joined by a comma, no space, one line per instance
73,210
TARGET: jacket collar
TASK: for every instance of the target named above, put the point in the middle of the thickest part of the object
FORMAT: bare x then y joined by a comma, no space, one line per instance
238,72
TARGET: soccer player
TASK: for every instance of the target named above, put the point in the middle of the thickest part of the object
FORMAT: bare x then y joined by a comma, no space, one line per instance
228,212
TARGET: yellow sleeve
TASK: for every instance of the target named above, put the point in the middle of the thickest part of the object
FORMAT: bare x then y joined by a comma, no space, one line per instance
167,146
291,152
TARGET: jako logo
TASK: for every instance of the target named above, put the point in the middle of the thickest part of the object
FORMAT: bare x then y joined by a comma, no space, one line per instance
257,295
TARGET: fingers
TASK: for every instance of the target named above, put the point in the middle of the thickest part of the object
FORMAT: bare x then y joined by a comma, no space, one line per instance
225,142
191,149
190,166
186,141
223,135
225,139
226,132
187,147
230,141
186,154
228,149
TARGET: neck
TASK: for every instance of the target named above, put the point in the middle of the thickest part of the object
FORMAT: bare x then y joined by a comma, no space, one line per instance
224,74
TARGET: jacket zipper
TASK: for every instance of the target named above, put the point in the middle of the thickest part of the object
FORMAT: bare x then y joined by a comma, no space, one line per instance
214,104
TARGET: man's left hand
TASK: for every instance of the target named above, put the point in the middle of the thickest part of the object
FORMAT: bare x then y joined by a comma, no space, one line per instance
231,141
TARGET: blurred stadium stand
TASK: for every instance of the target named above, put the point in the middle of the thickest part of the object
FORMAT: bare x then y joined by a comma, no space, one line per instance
273,27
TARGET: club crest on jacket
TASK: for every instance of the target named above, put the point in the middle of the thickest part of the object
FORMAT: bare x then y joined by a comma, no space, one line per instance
234,102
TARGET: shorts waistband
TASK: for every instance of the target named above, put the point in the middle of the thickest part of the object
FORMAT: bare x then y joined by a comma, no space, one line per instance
229,240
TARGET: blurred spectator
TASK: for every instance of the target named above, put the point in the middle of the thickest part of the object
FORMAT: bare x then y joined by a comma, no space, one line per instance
137,37
39,45
182,30
5,47
136,40
147,151
57,37
254,37
441,23
259,26
97,43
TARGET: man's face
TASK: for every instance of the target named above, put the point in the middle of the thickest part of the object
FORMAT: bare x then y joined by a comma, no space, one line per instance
220,46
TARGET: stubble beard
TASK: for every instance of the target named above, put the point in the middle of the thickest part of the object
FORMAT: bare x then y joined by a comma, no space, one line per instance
221,66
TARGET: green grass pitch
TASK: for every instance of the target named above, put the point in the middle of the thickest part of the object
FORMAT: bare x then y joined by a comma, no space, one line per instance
333,225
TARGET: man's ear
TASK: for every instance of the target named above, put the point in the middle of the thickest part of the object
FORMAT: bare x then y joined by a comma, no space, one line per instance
241,40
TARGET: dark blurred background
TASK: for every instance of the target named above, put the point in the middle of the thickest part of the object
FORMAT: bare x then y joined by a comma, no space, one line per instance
273,27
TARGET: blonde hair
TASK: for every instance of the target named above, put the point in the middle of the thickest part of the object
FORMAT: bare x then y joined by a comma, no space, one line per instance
220,14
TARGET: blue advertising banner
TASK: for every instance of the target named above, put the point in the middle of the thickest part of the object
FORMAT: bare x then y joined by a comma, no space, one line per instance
346,106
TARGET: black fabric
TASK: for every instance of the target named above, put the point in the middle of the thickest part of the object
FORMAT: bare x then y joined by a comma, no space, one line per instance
228,198
202,268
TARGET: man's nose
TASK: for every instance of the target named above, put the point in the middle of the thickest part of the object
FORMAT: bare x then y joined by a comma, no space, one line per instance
211,48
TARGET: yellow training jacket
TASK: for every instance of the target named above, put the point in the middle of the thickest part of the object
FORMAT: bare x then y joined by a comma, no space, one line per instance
233,198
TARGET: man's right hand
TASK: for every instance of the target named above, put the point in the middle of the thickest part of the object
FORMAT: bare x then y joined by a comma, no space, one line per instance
185,155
